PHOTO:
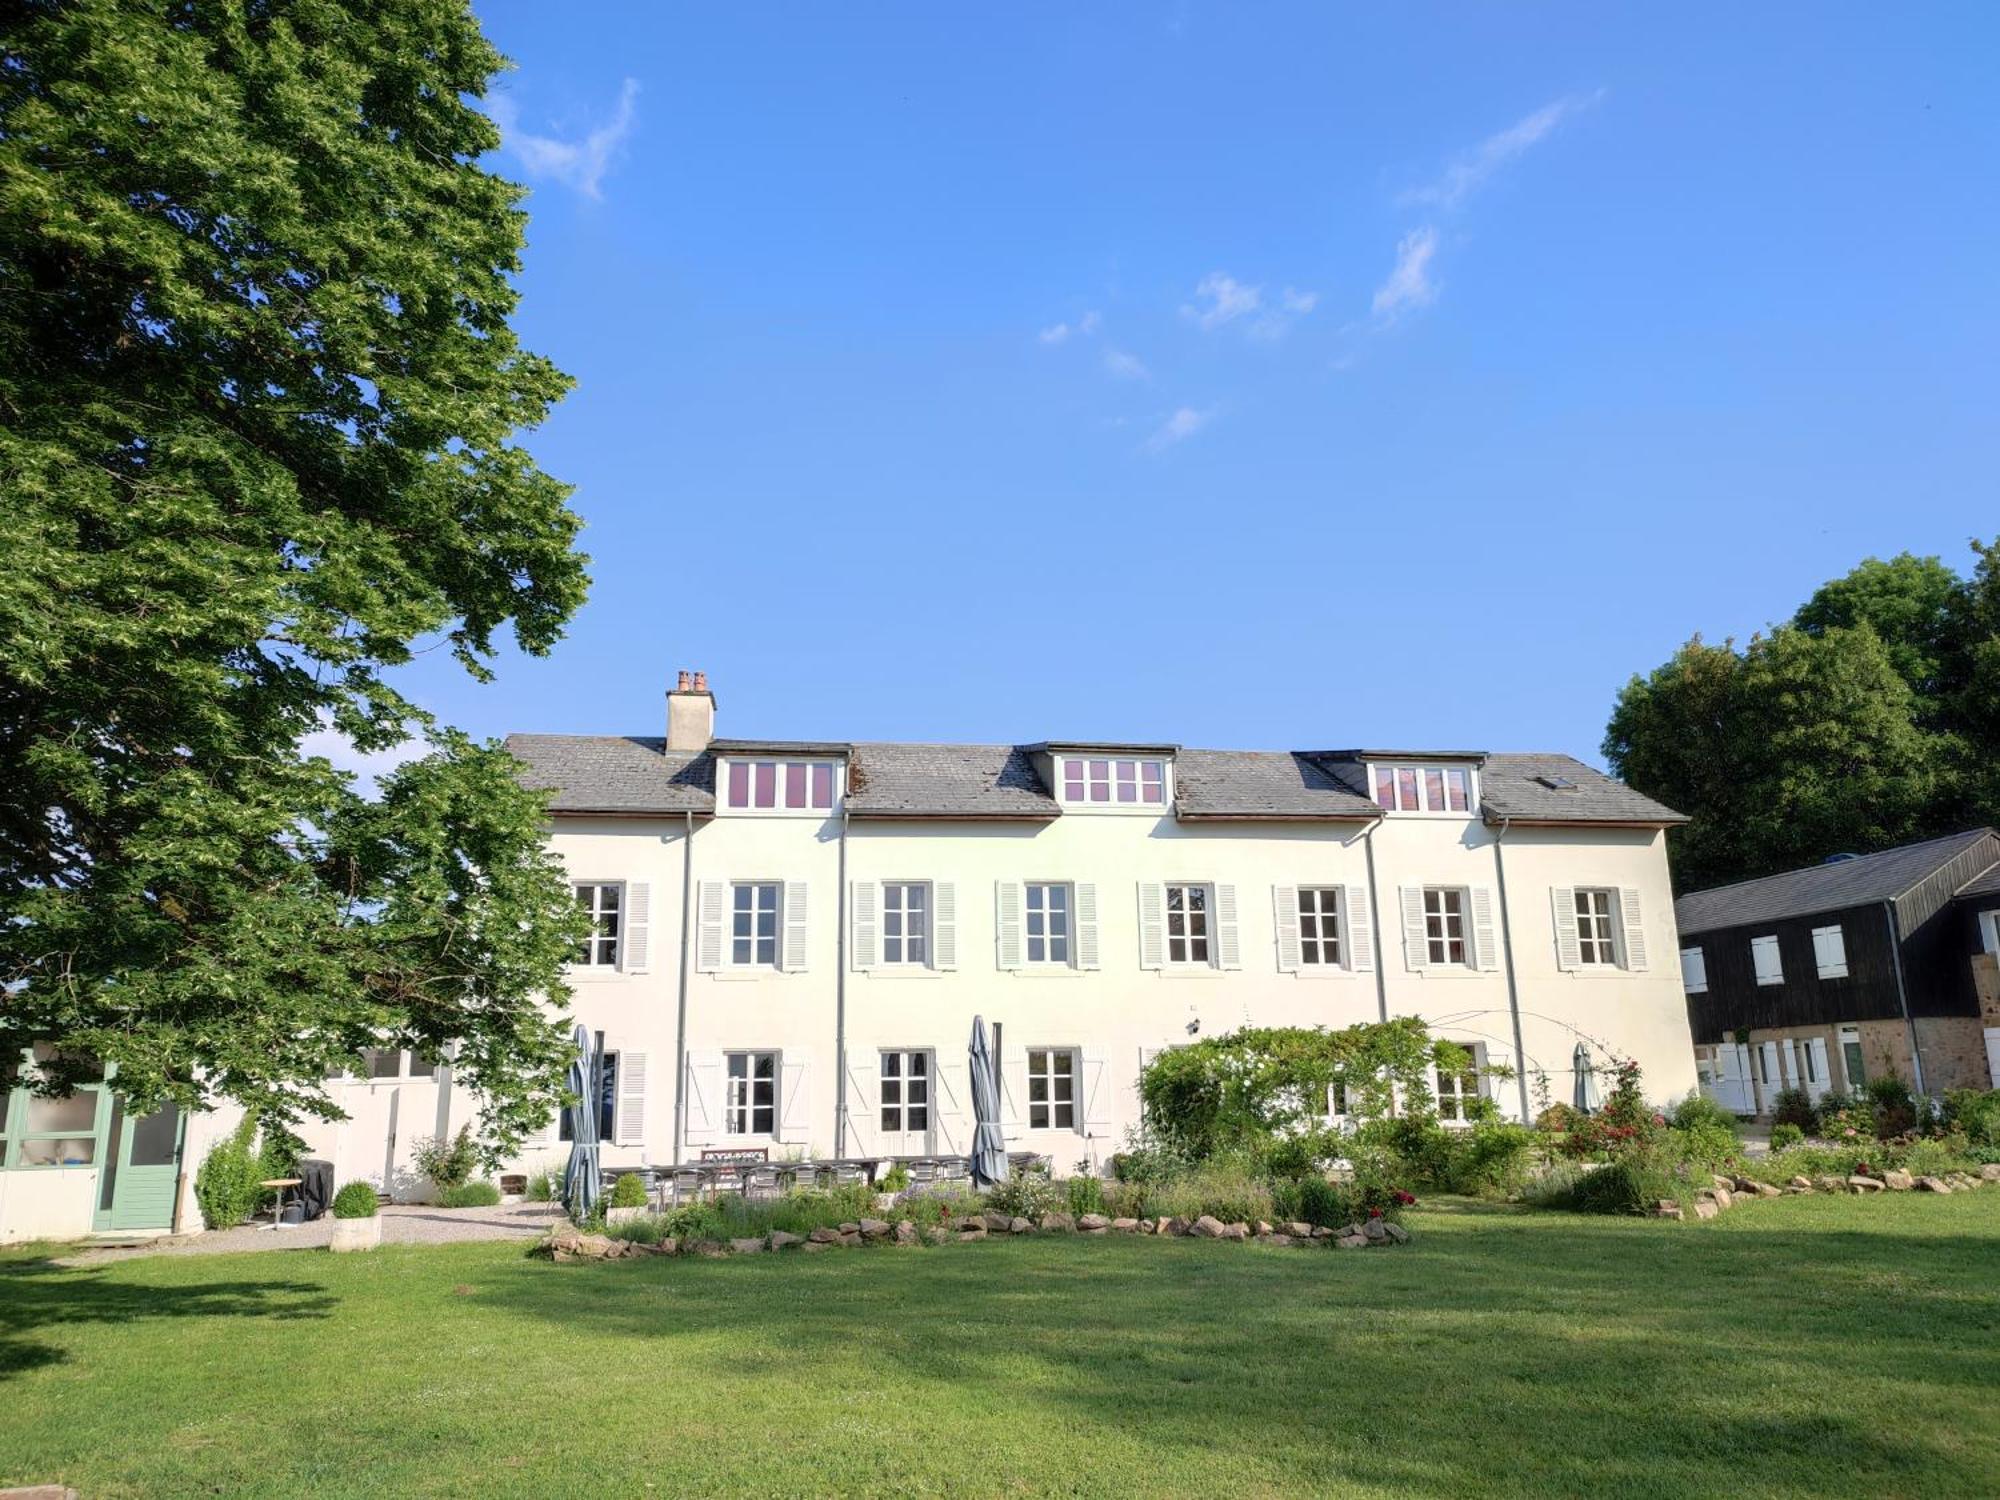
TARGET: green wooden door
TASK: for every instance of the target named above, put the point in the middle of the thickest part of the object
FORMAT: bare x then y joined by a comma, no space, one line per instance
142,1168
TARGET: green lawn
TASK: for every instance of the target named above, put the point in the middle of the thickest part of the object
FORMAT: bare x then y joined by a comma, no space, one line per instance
1809,1346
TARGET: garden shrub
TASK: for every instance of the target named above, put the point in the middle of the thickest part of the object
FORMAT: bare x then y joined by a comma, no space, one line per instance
1147,1158
356,1200
1225,1189
1795,1107
629,1191
1419,1149
1558,1119
1845,1118
646,1229
1028,1195
470,1195
1315,1200
1702,1148
1122,1200
1785,1136
225,1185
1698,1111
1976,1112
1628,1185
1085,1195
895,1180
543,1185
1492,1159
447,1163
1895,1109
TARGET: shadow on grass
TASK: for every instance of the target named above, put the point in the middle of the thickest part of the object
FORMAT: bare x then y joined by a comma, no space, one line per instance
1502,1352
38,1294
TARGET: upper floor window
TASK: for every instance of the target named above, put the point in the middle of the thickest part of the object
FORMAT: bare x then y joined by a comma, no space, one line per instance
1110,781
753,924
1187,924
1444,925
1047,912
1764,954
604,903
1694,971
1319,925
1597,927
778,785
1432,789
1830,951
905,923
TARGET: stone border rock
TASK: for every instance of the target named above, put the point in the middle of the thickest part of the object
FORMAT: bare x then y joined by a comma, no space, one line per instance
566,1243
1729,1191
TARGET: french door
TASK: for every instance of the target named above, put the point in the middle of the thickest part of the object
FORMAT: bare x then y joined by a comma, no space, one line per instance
906,1105
142,1163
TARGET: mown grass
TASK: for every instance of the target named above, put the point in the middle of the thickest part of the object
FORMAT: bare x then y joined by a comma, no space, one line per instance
1808,1346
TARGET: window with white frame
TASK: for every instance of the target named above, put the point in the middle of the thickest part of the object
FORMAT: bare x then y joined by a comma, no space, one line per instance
1456,1091
1428,789
753,925
1113,781
1830,951
1052,1088
1048,915
1764,956
1694,971
1444,925
606,1092
1187,924
1336,1099
750,1093
906,923
1319,925
778,785
604,903
381,1063
906,1092
1597,928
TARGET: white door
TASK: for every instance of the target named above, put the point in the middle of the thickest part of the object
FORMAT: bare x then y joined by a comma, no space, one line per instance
1770,1076
1726,1079
904,1086
1819,1081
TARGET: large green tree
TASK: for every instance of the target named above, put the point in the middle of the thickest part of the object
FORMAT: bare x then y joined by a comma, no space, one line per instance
1867,720
258,407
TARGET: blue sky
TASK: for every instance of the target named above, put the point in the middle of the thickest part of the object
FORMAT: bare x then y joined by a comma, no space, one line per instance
1236,375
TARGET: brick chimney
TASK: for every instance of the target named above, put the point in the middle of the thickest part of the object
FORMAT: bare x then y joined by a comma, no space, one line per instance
690,713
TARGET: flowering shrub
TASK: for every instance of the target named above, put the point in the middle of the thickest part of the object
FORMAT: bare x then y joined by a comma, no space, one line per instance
1785,1137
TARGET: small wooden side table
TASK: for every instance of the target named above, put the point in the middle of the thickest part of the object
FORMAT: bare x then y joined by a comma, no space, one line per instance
278,1208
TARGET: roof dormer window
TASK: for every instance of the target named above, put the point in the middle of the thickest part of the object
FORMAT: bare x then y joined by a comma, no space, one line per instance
1113,781
795,786
1422,789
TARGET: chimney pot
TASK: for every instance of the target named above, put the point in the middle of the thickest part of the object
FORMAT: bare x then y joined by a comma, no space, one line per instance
701,682
682,685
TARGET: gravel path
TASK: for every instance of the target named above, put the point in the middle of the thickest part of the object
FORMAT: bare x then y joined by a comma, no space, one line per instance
402,1224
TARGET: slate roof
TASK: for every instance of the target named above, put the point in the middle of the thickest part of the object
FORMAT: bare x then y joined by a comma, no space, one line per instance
1262,784
1510,786
1983,885
949,781
1820,888
606,773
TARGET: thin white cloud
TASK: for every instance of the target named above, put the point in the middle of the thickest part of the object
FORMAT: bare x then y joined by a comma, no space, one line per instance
1299,302
1221,299
1060,333
1466,174
577,164
1183,423
1125,366
1409,284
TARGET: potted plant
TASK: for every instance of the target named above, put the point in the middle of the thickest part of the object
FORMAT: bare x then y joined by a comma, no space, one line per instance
356,1225
628,1199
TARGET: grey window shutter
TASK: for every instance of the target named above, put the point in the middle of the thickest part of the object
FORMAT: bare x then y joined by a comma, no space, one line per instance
1085,911
1416,945
631,1121
1485,940
867,923
1007,923
1568,956
795,926
708,944
1228,950
1358,933
794,1103
704,1097
1285,909
637,945
1152,925
944,925
1635,928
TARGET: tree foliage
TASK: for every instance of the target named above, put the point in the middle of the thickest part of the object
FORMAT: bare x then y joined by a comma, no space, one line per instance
258,406
1871,718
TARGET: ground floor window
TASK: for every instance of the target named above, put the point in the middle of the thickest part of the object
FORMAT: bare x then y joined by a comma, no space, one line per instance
1850,1056
56,1132
750,1095
1052,1089
906,1092
1455,1093
607,1100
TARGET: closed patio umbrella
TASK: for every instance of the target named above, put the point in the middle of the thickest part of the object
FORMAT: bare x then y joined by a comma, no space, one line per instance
989,1146
1586,1100
581,1183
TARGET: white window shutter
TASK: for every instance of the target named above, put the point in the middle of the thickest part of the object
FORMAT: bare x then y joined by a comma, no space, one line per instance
708,942
1152,925
1569,955
1228,949
1635,929
1285,908
1096,1093
1084,909
1007,923
631,1121
1416,945
794,1103
944,925
1485,940
1358,938
704,1098
1013,1090
951,1122
867,923
795,926
863,1105
636,948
